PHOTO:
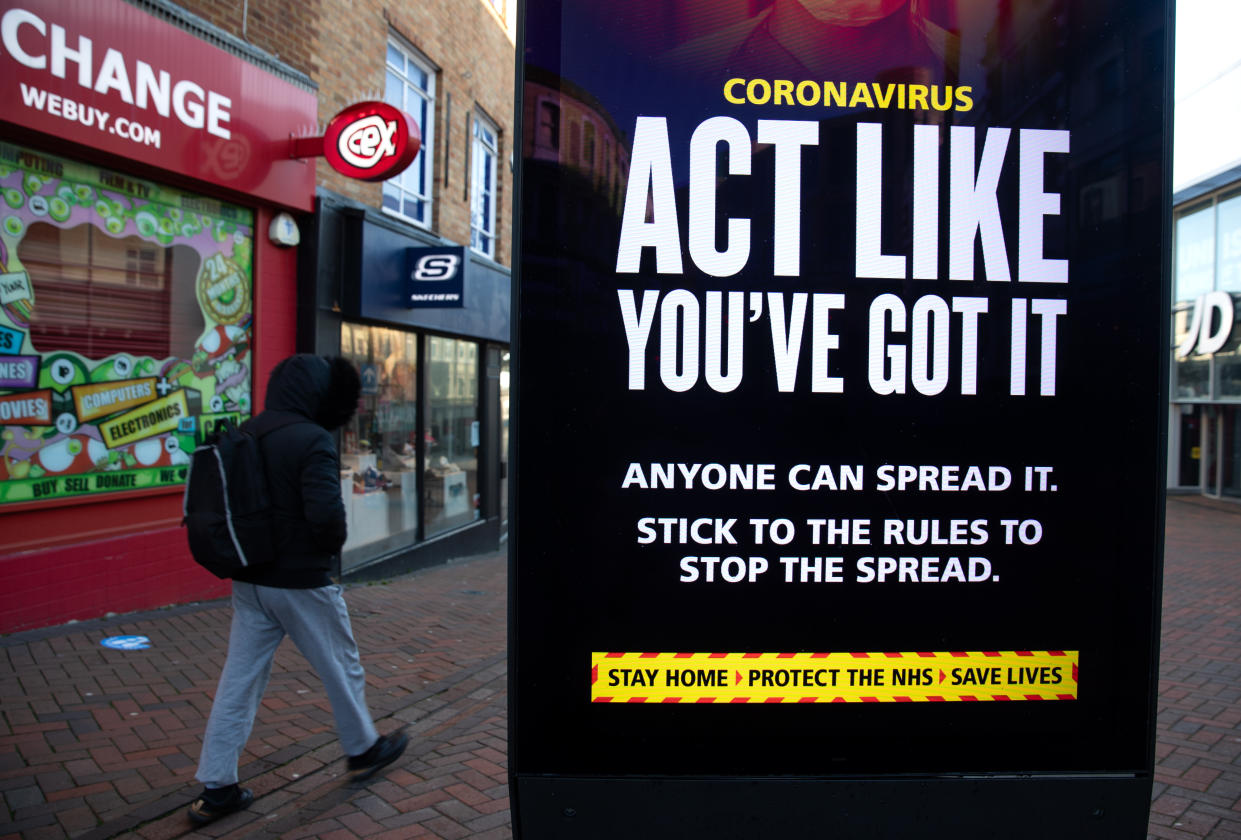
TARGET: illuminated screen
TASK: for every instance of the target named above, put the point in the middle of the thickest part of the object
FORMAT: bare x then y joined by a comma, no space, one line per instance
838,387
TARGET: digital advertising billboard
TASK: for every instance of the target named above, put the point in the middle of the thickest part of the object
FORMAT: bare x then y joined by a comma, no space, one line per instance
840,391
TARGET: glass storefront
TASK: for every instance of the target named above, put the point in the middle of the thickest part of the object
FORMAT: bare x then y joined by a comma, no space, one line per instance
1230,451
1195,246
505,371
1218,446
379,446
453,435
1206,346
383,449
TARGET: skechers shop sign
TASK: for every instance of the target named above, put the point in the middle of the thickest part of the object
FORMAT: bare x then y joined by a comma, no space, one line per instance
436,277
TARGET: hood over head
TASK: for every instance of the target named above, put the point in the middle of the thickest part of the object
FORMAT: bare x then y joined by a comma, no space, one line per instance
323,389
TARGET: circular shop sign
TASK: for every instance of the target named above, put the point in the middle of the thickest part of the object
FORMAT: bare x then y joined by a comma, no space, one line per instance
371,141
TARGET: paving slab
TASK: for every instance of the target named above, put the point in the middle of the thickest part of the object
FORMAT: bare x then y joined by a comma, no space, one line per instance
98,743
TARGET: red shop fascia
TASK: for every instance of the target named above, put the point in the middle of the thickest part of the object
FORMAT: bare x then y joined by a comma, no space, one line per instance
146,178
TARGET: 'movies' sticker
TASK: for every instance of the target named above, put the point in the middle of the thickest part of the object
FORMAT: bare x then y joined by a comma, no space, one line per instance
29,408
964,676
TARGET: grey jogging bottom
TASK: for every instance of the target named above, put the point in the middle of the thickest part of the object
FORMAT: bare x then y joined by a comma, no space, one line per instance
318,623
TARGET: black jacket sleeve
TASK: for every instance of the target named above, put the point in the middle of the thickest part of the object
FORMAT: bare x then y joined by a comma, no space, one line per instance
322,506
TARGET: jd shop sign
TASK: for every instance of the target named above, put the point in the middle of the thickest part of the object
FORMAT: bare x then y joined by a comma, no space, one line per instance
838,461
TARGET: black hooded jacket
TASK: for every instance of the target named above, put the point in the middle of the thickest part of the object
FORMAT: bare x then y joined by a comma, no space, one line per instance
303,468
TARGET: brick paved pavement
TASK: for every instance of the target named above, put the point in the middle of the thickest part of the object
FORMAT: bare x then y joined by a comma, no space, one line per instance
1198,730
97,743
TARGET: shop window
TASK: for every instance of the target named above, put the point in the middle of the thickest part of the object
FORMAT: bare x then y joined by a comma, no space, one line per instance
588,145
125,327
575,142
548,129
453,435
1195,254
1228,374
483,158
1230,450
1228,245
99,295
410,85
505,371
379,447
1193,378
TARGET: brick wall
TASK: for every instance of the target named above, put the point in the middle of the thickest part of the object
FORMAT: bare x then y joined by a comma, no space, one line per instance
341,44
287,29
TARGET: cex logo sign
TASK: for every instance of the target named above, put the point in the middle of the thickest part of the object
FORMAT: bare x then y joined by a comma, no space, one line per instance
371,141
436,276
368,141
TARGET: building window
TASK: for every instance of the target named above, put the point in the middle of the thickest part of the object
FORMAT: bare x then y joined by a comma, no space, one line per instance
125,327
588,145
483,187
1195,254
453,436
410,86
548,126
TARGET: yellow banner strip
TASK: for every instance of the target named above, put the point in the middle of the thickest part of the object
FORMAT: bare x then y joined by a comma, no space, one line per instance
906,677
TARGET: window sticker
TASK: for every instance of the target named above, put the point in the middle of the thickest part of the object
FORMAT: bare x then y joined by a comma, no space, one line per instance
126,320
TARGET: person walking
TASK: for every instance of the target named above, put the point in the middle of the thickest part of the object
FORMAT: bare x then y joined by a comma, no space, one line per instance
293,595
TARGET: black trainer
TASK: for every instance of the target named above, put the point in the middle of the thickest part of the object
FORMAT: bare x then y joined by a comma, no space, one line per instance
384,751
220,802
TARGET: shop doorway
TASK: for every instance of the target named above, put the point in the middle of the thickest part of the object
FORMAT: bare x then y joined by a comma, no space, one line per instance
1221,456
1189,465
504,402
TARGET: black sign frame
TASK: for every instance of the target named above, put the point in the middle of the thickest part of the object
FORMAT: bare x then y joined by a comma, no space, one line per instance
584,769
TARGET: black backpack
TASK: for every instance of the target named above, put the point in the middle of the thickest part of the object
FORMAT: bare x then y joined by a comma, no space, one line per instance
227,504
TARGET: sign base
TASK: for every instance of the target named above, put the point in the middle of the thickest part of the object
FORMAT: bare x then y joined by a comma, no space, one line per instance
965,808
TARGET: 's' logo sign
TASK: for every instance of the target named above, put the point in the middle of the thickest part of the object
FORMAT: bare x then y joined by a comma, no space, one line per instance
436,267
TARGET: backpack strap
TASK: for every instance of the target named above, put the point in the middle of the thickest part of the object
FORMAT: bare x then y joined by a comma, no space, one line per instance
267,422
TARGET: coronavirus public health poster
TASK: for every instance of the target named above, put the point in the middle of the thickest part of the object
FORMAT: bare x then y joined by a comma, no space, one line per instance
838,426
